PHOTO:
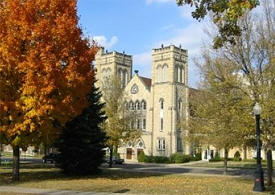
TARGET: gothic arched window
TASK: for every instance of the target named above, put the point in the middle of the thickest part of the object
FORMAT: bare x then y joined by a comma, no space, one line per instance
132,105
182,75
125,78
178,71
159,73
164,72
143,104
137,104
179,104
161,101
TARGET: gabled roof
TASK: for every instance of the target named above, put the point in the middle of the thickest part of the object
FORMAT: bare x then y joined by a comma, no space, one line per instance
193,92
146,81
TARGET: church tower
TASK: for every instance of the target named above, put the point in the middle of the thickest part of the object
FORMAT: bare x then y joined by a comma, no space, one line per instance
170,99
113,63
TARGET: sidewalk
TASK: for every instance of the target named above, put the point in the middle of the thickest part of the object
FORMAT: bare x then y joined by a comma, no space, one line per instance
166,164
6,189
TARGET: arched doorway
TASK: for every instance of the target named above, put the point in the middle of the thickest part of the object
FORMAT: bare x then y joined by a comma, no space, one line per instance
129,151
140,147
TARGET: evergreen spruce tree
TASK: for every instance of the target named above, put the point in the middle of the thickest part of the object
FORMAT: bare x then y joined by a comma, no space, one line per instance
82,140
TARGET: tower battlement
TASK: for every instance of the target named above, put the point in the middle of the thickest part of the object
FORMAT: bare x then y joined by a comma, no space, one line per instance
105,57
169,48
168,52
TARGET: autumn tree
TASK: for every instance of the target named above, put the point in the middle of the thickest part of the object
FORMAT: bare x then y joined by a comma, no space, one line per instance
225,14
221,112
119,128
45,70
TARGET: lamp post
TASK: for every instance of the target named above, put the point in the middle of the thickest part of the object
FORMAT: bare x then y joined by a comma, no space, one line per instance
259,175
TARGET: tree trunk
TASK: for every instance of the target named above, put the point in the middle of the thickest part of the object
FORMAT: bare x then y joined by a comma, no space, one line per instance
115,149
46,149
269,166
1,149
244,152
225,160
111,157
16,163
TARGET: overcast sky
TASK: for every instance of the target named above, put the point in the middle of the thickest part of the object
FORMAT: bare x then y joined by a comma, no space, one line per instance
138,26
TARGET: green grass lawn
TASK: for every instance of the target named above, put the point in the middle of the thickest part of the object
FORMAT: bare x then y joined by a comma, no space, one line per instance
231,164
46,176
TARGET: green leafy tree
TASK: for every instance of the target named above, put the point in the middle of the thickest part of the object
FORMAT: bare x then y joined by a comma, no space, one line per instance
119,128
221,113
253,54
225,14
82,141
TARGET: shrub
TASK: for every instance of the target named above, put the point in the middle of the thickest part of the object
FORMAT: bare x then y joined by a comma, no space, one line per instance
149,159
141,157
217,158
173,157
153,159
237,156
180,158
196,157
161,159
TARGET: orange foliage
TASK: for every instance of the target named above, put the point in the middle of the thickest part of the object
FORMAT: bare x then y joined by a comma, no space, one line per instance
45,68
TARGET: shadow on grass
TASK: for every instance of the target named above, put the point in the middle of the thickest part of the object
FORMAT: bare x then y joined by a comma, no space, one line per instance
42,172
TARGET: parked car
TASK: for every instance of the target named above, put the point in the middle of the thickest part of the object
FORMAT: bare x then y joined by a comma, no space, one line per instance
115,159
49,158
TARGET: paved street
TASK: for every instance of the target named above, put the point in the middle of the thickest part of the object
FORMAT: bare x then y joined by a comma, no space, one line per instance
182,169
23,160
167,168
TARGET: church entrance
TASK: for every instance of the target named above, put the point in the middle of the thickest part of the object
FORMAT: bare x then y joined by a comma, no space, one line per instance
129,153
139,151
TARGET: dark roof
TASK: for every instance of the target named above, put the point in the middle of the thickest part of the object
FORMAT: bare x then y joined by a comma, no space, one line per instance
146,81
193,92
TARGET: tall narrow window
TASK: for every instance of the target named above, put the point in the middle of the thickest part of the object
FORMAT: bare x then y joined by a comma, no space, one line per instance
143,104
144,124
137,105
159,74
161,104
161,124
126,78
178,79
160,147
179,104
179,108
164,73
132,124
132,105
181,75
176,74
138,123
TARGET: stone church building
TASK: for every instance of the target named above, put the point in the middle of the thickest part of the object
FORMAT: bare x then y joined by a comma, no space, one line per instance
161,100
